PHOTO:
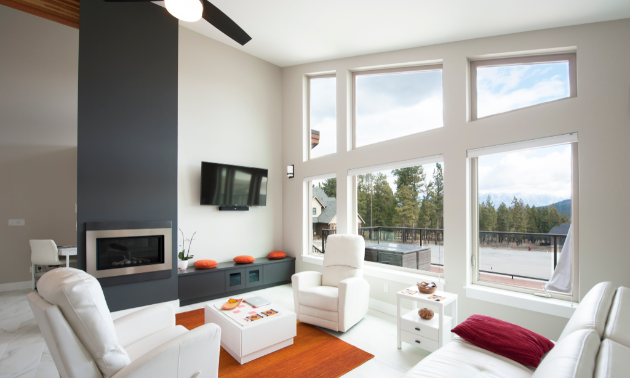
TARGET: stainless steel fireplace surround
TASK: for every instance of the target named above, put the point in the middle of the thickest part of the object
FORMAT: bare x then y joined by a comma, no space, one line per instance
127,248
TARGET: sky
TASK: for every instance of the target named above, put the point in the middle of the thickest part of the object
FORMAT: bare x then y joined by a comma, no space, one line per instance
544,171
390,105
323,109
501,89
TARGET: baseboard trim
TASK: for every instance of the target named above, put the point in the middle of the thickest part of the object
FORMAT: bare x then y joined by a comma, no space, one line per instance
384,307
11,286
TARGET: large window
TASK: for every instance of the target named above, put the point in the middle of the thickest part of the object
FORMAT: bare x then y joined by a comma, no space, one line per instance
400,214
322,220
390,104
523,213
501,85
322,115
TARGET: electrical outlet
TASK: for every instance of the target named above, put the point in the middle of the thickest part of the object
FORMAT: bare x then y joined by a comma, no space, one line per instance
386,288
17,222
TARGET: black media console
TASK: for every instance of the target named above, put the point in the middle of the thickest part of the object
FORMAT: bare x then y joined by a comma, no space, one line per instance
230,278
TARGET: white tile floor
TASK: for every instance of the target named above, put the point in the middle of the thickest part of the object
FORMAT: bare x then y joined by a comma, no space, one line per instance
23,352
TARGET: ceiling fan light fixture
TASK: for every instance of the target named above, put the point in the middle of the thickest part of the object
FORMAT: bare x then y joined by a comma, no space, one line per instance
185,10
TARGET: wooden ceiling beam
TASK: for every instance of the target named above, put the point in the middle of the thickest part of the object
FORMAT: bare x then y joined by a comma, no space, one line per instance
65,12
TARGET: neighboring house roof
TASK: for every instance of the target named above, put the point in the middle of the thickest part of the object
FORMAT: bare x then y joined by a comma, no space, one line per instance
329,211
320,202
563,229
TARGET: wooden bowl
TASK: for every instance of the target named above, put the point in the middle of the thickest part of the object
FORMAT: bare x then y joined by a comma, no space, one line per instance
426,314
424,289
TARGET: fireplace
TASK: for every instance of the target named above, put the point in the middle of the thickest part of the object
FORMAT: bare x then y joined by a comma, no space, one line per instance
128,248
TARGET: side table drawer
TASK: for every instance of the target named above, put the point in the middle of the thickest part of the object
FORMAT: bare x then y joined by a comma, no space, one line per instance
419,329
419,341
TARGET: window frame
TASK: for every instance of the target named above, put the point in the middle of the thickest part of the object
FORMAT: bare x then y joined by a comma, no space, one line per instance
549,58
428,67
307,185
352,176
474,217
307,138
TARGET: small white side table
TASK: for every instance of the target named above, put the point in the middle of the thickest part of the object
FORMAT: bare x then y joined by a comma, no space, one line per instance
67,251
429,335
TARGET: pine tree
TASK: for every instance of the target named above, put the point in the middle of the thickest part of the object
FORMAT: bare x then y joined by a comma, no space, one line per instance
407,206
438,184
384,203
492,214
503,218
330,187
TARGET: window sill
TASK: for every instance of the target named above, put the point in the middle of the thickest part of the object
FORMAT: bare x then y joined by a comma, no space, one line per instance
384,273
550,306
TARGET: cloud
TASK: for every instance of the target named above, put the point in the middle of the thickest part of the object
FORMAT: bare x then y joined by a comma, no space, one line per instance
501,89
327,128
400,121
537,171
323,99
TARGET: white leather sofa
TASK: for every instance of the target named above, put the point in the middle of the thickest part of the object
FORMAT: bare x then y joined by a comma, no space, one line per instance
337,298
594,343
85,342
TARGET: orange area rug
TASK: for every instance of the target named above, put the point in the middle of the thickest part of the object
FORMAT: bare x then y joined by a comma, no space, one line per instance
314,353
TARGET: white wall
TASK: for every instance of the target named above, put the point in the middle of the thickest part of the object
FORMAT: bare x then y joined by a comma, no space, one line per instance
600,114
38,136
229,112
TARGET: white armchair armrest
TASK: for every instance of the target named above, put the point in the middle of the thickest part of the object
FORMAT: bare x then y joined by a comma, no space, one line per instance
142,323
301,281
194,354
354,300
305,280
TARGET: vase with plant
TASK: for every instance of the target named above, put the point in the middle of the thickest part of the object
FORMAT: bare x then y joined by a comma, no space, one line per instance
184,255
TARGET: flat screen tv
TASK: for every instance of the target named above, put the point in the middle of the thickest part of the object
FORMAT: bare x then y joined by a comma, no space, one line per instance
233,185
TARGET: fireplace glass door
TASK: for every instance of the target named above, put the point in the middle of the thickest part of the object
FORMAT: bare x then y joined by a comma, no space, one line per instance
124,252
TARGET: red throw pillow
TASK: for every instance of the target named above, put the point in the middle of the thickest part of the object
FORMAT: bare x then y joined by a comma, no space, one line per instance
205,264
505,339
244,259
276,255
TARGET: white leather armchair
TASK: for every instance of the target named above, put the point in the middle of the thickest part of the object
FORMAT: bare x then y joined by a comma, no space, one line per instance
43,252
337,298
85,342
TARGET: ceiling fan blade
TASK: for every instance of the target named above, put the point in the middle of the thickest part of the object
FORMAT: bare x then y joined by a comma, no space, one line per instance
225,24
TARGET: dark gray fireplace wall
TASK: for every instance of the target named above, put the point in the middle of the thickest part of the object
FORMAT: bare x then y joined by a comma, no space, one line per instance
127,129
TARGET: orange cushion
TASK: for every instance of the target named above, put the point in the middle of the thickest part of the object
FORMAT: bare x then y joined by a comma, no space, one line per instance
205,264
244,259
276,255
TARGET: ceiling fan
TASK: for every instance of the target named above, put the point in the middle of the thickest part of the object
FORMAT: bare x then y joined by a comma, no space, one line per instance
193,10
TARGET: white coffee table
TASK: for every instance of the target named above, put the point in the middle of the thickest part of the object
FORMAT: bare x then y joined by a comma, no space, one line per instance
252,341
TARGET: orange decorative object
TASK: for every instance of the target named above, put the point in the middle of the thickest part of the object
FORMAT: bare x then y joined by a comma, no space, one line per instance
205,264
276,255
244,259
231,304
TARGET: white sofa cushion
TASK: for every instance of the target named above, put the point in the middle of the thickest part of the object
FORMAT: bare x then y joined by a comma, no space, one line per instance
343,258
618,324
572,357
322,297
459,358
613,360
592,311
81,300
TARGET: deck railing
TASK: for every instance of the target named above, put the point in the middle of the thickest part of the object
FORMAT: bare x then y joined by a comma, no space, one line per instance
424,236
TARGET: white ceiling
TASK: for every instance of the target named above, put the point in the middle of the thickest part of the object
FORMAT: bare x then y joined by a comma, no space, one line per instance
290,32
